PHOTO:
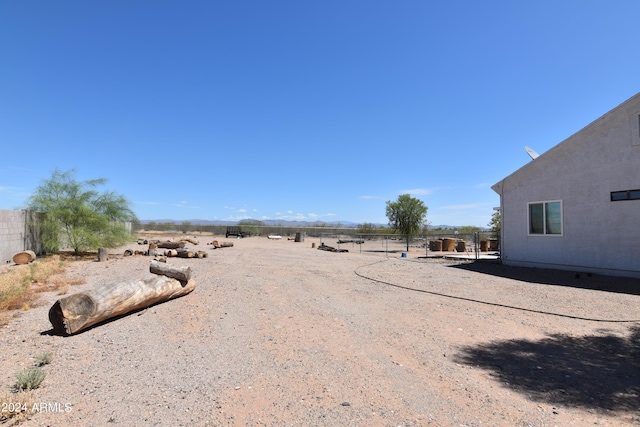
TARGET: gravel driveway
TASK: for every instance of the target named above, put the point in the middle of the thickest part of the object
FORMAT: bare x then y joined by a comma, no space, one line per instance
278,333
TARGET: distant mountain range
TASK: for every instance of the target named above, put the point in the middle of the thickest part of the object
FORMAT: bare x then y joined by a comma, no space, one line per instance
275,222
270,222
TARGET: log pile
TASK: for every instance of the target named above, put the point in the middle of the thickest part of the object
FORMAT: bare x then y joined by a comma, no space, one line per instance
173,249
185,253
80,311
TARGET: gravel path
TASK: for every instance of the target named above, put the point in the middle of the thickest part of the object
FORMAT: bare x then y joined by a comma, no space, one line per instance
277,333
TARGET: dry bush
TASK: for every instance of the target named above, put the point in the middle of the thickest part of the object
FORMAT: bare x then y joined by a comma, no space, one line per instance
18,406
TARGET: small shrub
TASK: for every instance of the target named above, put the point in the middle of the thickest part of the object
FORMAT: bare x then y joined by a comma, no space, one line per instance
30,378
44,359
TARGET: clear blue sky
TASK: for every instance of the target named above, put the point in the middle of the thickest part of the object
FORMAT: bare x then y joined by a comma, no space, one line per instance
303,110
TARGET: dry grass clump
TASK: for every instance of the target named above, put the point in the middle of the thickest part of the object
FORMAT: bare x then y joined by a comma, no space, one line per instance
18,406
19,286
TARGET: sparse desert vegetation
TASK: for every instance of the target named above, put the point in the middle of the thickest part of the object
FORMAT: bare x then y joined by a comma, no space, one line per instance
21,286
279,333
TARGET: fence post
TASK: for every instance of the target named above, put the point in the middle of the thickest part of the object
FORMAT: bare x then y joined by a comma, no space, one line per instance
476,237
426,245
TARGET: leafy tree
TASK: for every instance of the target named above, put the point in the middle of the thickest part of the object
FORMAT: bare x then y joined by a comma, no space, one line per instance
251,226
495,224
77,216
367,228
406,215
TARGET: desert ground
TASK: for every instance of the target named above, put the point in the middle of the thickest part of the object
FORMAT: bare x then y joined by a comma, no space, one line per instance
279,333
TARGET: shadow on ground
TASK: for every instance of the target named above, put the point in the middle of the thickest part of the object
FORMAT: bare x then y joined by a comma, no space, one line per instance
598,372
555,277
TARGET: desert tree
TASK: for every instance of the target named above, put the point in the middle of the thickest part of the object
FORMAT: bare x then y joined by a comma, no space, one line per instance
185,226
406,215
367,228
76,215
494,224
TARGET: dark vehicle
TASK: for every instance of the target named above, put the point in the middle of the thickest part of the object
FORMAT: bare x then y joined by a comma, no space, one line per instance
236,231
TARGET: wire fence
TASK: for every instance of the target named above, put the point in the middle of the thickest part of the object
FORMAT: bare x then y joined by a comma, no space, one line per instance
472,244
433,243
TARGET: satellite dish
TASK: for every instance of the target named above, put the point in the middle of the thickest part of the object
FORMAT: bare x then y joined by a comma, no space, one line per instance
530,151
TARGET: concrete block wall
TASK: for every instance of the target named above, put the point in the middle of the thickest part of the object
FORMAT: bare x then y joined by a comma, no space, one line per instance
17,233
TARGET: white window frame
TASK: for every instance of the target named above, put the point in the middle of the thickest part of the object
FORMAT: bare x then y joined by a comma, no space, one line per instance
544,213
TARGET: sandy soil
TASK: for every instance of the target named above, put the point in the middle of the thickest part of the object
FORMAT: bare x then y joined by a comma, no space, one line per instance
278,333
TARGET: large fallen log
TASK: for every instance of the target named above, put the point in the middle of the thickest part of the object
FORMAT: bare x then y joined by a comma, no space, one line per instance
171,245
79,311
24,257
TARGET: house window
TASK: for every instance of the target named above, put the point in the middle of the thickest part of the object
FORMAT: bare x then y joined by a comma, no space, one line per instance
545,218
625,195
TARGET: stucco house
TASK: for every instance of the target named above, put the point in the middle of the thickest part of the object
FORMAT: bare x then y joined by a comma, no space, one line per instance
577,206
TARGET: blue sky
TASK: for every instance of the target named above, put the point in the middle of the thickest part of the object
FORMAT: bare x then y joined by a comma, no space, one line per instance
302,110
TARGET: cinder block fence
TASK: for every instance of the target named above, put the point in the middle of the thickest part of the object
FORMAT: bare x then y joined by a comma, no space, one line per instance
18,232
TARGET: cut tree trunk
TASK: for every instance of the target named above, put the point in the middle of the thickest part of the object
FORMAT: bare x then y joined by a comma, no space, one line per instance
190,240
79,311
103,254
24,257
181,273
185,253
171,245
170,253
217,244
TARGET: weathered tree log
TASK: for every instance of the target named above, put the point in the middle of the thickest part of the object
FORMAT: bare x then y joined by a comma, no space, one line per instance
217,244
185,253
79,311
170,253
103,254
190,240
171,245
24,257
202,254
181,273
324,247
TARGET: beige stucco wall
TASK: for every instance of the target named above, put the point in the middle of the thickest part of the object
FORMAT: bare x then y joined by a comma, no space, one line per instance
599,236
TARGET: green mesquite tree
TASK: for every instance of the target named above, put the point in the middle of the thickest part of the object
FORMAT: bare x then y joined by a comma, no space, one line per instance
79,217
406,215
